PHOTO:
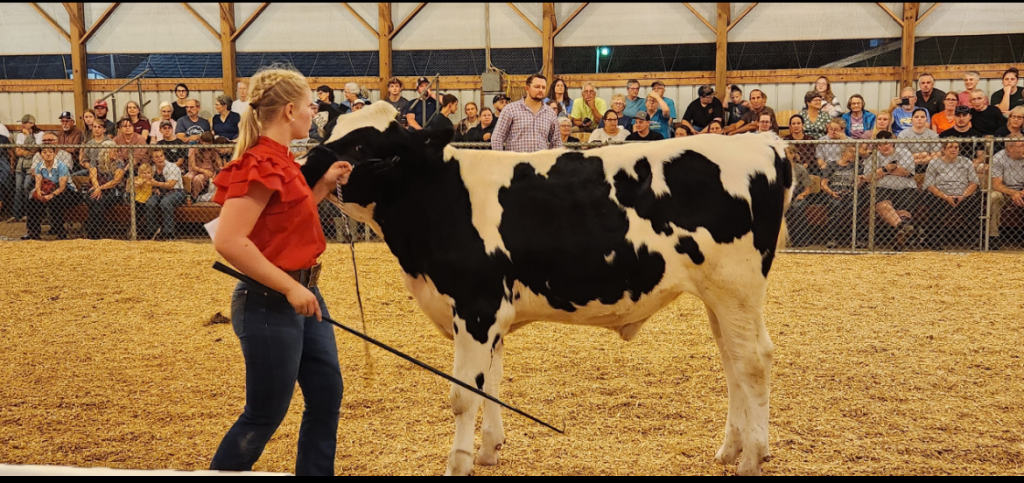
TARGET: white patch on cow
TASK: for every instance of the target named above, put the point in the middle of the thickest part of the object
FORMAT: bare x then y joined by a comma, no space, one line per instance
362,214
484,173
610,258
378,115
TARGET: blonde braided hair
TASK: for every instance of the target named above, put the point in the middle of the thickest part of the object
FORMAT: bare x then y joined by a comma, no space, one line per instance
270,90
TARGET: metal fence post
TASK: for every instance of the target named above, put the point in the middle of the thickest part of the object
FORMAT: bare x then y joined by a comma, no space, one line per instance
873,200
132,234
987,214
856,191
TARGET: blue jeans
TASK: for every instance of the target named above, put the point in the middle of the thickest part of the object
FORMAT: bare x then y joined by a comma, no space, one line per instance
24,183
165,205
281,347
6,176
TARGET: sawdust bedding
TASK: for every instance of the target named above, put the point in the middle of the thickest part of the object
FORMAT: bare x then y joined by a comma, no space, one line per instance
906,364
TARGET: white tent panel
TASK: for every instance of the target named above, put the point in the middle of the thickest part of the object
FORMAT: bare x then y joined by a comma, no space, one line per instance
283,27
564,10
972,19
461,26
772,22
612,24
243,11
533,11
208,11
152,27
57,12
24,32
93,10
369,12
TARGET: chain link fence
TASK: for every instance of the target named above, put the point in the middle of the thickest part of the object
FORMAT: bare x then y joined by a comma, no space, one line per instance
950,194
111,191
850,195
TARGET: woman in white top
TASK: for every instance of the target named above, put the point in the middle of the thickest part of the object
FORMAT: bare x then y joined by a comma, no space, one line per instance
611,131
165,115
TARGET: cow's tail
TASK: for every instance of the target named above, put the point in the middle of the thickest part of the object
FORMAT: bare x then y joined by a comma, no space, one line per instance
784,175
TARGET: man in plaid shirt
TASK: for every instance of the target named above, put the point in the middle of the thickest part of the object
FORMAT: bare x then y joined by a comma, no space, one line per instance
527,125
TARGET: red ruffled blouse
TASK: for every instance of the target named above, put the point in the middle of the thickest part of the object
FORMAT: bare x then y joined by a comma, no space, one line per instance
288,230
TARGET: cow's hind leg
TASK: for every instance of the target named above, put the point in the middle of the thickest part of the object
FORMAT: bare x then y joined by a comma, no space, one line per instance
732,445
472,364
493,437
747,356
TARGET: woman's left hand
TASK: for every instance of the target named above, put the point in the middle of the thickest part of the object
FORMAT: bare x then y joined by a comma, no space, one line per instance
338,173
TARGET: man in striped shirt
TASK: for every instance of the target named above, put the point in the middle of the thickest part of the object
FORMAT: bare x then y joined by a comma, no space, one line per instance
527,125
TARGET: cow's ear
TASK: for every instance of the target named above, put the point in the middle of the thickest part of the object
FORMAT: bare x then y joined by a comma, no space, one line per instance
317,161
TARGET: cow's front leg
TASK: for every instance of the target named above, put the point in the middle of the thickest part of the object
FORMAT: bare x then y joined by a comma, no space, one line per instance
493,437
472,364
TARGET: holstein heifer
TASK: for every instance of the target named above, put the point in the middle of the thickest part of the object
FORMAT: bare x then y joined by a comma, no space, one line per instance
491,241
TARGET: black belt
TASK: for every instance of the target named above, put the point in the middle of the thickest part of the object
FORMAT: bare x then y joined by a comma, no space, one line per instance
308,277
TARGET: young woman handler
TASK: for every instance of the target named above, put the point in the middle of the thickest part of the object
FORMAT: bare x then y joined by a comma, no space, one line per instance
270,230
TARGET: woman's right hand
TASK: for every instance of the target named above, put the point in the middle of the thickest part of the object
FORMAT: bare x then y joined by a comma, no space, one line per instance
304,302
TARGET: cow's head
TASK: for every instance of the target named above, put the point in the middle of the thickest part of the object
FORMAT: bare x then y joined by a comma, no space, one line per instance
384,156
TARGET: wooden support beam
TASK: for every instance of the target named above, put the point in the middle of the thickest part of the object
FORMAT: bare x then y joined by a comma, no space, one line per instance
721,44
744,14
252,18
99,23
79,67
891,14
202,21
385,27
574,14
524,17
53,23
920,18
407,19
700,17
227,48
360,18
549,22
909,31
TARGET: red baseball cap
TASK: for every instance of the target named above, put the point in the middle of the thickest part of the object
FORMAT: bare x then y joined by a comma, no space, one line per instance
100,104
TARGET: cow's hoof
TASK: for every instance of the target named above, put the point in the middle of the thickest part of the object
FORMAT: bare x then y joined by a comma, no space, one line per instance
460,463
487,457
749,467
728,453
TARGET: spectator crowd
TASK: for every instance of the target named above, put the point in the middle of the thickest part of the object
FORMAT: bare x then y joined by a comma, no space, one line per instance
946,176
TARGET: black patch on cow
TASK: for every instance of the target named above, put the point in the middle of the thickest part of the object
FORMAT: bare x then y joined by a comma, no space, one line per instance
497,339
699,200
480,381
688,246
456,328
558,229
768,200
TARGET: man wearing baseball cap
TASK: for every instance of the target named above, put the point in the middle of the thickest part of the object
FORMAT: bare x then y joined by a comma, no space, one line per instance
423,108
962,128
69,134
642,129
101,113
499,102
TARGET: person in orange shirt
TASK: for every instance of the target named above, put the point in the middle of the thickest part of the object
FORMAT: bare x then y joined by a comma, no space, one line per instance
270,230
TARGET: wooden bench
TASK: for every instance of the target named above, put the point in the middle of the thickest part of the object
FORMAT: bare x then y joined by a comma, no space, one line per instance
121,213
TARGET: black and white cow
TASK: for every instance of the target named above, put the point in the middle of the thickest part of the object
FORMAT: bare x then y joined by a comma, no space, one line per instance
491,241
